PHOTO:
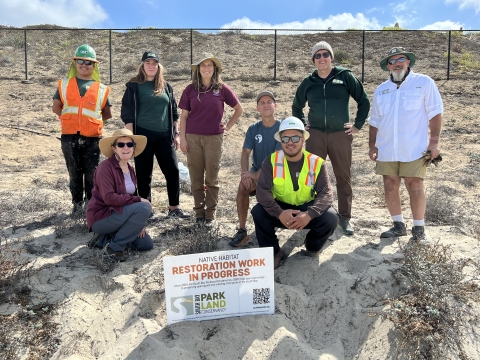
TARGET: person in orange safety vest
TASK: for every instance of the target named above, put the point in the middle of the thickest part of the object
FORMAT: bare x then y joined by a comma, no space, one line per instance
82,104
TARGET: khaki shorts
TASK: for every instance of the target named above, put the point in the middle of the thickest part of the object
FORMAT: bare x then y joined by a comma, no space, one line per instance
403,169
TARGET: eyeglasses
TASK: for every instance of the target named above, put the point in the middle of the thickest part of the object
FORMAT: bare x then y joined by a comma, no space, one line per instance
325,54
129,144
400,60
295,139
86,62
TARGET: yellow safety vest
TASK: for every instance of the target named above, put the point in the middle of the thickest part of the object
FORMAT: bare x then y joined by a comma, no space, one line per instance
282,182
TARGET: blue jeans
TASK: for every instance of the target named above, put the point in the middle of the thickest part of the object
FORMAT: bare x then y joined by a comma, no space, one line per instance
124,228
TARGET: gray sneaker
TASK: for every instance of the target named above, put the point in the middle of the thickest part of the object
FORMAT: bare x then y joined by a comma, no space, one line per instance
345,226
398,229
240,238
418,234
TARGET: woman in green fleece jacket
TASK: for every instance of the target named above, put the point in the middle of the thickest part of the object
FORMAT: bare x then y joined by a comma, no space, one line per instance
327,91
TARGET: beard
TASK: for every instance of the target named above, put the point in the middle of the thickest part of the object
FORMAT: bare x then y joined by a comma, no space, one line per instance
292,152
398,76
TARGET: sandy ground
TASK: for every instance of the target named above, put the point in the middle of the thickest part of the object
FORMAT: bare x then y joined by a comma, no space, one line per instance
324,306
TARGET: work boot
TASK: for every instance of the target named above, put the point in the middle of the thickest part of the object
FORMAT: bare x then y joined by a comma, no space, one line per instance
398,229
345,226
418,234
114,255
240,238
310,253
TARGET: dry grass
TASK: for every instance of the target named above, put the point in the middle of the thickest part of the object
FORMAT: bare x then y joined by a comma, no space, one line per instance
13,270
436,306
192,239
30,332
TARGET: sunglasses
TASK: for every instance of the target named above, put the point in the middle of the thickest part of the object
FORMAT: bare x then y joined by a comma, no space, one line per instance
400,60
325,54
129,144
86,62
295,139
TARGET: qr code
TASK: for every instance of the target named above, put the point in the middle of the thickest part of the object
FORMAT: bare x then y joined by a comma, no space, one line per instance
261,296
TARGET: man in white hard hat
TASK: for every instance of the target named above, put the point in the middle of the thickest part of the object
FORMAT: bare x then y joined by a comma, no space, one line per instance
294,192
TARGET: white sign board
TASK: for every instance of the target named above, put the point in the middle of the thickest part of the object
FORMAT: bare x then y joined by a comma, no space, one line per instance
219,284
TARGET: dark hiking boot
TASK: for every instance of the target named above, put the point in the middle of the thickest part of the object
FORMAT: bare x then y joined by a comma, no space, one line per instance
240,238
398,229
116,256
345,226
418,234
93,241
310,253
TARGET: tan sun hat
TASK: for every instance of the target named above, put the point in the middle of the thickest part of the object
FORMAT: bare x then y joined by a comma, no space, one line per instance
106,143
207,56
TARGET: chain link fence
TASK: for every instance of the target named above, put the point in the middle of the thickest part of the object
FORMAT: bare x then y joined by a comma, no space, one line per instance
246,55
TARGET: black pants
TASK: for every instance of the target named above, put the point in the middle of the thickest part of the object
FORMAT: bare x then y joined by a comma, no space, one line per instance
321,227
161,146
82,156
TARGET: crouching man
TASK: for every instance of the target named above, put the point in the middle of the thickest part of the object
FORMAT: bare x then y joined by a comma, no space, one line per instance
294,192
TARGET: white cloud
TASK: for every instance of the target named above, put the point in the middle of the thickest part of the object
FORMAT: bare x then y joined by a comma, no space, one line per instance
400,7
336,22
71,13
443,25
465,4
372,10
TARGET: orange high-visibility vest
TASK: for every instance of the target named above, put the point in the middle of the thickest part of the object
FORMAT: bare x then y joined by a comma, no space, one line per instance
82,114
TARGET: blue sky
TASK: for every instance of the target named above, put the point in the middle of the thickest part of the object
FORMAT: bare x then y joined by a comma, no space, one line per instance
289,14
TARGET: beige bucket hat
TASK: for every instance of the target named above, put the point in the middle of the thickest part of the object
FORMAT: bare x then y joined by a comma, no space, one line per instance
207,56
106,143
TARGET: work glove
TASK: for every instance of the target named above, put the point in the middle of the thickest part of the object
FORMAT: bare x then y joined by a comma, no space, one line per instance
427,158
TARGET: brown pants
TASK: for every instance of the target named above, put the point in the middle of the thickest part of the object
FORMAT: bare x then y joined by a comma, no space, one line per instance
203,157
338,147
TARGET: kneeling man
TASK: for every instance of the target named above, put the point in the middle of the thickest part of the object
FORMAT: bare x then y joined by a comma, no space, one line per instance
294,192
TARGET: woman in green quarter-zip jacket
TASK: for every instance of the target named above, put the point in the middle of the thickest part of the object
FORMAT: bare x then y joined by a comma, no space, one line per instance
327,91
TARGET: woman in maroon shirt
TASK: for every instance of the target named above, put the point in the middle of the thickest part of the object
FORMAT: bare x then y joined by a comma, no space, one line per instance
115,213
201,131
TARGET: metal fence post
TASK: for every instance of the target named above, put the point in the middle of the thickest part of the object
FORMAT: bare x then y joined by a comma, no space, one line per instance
26,58
275,58
191,52
111,62
363,56
448,57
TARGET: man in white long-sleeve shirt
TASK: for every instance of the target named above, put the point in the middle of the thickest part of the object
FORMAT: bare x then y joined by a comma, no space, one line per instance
404,108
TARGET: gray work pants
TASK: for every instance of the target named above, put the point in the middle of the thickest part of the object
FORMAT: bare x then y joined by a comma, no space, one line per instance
124,228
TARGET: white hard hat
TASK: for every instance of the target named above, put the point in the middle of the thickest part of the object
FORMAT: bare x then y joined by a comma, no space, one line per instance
291,123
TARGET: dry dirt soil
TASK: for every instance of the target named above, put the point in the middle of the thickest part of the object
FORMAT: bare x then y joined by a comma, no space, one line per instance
319,313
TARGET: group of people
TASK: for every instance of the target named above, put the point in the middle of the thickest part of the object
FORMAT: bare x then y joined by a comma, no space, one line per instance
288,175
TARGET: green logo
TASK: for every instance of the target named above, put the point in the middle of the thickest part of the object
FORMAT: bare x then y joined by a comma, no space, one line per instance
182,305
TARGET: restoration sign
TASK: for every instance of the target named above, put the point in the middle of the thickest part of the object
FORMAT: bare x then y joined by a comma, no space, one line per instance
219,284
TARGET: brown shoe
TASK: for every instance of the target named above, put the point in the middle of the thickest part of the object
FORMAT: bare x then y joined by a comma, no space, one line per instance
277,258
